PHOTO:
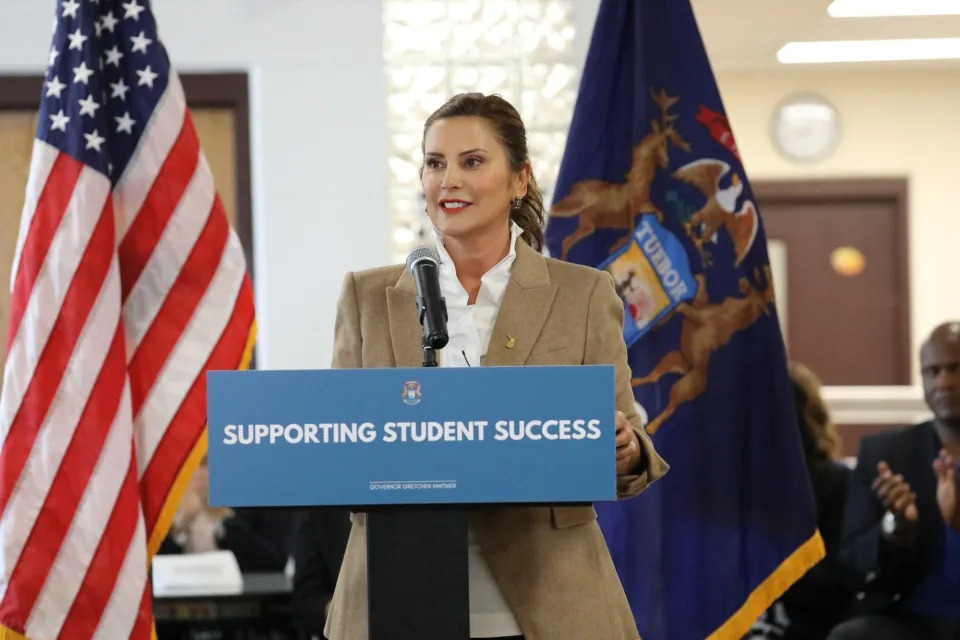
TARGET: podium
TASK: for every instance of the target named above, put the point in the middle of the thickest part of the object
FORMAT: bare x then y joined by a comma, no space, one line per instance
416,450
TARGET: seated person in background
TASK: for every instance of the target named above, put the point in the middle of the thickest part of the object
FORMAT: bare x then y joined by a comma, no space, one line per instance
901,525
816,602
319,542
258,539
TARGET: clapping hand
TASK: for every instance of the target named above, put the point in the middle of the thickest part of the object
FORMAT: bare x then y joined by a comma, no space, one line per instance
897,496
946,469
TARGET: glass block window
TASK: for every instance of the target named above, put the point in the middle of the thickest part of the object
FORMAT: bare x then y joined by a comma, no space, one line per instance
434,49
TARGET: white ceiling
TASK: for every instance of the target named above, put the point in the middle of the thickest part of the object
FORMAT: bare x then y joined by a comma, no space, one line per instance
746,34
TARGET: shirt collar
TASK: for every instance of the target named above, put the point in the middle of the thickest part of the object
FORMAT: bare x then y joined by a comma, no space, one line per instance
499,271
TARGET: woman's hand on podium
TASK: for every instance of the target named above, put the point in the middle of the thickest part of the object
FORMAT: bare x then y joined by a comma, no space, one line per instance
628,447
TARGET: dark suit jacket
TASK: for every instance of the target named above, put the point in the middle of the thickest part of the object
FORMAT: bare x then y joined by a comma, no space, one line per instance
258,538
818,600
889,573
319,542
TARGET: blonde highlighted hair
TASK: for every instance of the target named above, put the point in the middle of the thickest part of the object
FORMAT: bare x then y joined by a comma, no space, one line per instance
816,417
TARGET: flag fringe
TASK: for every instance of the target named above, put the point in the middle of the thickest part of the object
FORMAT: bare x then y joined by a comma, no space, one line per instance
190,465
170,505
6,633
248,349
790,570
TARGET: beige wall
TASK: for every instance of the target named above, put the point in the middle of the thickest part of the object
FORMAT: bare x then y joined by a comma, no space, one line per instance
894,124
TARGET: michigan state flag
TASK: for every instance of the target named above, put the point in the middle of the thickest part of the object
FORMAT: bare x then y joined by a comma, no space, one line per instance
652,189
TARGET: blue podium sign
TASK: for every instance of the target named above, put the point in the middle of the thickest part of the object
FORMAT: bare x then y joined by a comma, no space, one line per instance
362,437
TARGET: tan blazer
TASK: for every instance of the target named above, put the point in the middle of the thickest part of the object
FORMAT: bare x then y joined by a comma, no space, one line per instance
551,563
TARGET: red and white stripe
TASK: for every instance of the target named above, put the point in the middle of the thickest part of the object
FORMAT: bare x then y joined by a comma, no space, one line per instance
41,162
121,300
147,161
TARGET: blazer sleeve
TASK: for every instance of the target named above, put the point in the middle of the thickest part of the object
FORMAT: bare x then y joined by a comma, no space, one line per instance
347,341
605,345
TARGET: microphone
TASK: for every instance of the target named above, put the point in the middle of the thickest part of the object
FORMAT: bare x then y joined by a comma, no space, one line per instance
424,264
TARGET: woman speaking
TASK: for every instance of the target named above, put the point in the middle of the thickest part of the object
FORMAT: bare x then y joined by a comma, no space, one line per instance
539,573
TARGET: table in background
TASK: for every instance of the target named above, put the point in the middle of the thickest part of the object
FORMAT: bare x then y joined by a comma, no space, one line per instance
262,611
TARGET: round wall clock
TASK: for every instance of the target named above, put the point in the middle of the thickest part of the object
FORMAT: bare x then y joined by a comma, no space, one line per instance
805,128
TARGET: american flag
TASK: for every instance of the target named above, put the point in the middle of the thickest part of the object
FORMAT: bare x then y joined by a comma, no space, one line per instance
128,284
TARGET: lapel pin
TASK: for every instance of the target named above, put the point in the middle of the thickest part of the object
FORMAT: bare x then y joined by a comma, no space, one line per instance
511,343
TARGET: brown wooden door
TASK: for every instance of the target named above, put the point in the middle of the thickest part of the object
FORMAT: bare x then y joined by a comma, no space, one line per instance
846,291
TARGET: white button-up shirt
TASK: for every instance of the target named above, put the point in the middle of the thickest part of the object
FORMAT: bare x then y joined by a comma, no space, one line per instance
469,328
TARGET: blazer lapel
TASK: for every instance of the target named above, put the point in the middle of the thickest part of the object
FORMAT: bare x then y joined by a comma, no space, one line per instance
523,311
405,333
